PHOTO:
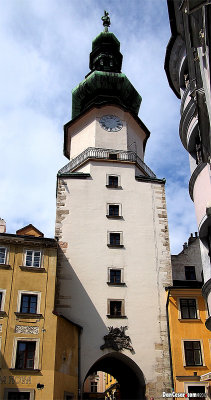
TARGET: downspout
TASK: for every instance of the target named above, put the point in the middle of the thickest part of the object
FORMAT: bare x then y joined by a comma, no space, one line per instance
169,339
79,365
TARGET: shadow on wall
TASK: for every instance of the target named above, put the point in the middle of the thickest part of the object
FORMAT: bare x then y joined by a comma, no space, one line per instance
77,306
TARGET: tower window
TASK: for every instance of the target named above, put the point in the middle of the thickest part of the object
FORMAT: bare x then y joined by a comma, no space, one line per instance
115,276
115,239
193,354
116,309
113,210
188,308
113,181
190,273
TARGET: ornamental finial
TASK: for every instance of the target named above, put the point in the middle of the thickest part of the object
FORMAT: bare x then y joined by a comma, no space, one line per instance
106,20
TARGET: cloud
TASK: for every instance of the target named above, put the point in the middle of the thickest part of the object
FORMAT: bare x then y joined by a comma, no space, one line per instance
45,49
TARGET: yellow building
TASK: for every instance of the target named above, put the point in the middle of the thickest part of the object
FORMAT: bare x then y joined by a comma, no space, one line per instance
187,313
39,349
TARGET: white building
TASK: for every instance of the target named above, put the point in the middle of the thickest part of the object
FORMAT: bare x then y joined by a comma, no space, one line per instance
114,260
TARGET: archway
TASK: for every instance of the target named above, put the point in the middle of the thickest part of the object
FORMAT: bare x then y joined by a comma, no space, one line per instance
125,371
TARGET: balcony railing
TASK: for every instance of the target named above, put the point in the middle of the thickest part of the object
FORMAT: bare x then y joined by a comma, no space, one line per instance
106,154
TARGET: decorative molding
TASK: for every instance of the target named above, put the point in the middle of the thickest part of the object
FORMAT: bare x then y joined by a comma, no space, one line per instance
117,340
27,329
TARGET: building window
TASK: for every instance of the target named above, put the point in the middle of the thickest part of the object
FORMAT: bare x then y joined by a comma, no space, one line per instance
188,309
2,299
113,181
3,254
115,276
33,258
113,209
28,303
25,355
19,394
190,273
115,239
93,387
116,308
193,356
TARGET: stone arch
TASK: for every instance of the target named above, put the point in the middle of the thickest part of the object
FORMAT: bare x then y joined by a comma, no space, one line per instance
126,371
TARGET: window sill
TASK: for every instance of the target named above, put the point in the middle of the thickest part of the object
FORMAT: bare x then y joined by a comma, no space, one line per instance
114,216
32,269
5,266
115,246
116,316
189,320
194,366
116,284
113,187
28,315
25,369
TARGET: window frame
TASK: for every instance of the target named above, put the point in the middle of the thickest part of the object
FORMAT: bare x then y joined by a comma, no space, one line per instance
183,353
180,311
2,304
122,315
121,276
190,266
6,255
36,354
33,251
120,239
26,292
95,383
19,390
108,215
118,186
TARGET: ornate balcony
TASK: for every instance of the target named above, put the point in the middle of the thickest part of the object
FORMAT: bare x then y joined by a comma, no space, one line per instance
93,153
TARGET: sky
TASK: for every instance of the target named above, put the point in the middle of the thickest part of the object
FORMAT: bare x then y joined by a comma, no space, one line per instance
45,46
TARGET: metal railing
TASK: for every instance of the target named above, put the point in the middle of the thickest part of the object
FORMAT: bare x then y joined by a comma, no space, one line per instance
106,154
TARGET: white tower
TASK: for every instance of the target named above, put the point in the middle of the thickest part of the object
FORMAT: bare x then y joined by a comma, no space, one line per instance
114,259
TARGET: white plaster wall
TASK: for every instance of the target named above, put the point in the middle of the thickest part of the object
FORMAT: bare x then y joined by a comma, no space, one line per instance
202,197
145,259
87,132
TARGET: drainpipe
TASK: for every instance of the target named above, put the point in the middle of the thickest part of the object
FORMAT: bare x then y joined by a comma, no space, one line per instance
169,339
79,365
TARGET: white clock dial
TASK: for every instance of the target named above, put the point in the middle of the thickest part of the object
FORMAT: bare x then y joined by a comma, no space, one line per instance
111,123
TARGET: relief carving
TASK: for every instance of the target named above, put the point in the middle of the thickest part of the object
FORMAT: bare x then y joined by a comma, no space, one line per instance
117,340
27,329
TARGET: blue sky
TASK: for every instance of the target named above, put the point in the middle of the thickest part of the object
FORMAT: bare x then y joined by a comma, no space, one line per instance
45,46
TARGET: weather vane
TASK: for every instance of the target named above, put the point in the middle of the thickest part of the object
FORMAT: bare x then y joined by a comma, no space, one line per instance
106,20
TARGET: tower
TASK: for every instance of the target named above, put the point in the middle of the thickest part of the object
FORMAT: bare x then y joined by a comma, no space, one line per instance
114,259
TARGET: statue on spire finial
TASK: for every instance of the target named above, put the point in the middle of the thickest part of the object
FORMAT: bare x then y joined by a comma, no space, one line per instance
106,20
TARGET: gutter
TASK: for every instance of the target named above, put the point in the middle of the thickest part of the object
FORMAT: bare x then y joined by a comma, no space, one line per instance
169,339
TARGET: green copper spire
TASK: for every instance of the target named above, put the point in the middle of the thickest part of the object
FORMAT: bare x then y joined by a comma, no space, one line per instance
105,84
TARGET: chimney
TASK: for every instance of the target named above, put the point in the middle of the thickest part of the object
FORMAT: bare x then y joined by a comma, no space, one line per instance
2,226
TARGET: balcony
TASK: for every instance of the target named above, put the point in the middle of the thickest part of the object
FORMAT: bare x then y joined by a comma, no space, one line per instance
188,123
93,153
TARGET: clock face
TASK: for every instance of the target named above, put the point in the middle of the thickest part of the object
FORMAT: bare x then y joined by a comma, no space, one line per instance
111,123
